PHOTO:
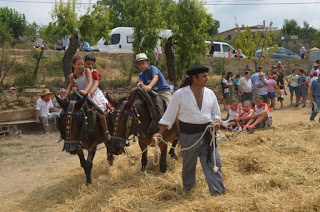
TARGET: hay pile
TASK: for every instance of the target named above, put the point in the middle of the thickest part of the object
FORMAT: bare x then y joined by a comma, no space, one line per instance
275,170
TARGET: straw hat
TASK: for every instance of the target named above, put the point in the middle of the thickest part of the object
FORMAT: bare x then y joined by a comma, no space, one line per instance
261,73
141,56
45,92
315,64
13,88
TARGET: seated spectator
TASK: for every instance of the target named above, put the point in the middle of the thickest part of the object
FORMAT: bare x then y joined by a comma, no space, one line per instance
44,110
261,116
13,90
232,111
244,116
62,94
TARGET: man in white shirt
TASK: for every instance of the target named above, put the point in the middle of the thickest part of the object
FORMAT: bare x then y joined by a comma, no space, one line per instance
43,108
196,107
302,51
245,87
62,95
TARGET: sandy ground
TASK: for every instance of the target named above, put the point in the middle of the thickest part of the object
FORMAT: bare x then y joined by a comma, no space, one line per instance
34,162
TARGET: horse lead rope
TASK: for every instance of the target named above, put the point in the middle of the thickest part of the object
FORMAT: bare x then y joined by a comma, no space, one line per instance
211,128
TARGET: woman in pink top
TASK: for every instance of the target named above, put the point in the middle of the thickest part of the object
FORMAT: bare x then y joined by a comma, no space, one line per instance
272,89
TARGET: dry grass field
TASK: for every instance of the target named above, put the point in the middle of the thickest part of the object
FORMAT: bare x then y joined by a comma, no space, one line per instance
271,170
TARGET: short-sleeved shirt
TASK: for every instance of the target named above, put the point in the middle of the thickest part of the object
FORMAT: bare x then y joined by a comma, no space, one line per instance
43,106
254,78
236,83
302,78
315,86
245,84
225,89
294,80
271,85
261,91
148,75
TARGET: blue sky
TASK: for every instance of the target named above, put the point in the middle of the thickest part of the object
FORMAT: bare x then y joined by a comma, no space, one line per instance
228,15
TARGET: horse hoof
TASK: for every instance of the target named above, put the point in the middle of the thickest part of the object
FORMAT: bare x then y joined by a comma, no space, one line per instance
163,169
110,163
174,156
87,184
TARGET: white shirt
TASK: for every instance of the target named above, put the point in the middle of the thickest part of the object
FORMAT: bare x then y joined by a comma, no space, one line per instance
43,107
226,89
302,50
184,106
245,84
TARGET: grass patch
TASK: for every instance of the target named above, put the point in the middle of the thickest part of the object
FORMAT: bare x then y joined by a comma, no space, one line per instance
11,144
2,154
38,146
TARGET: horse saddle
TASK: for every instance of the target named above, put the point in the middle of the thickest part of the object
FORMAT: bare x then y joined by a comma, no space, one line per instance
156,108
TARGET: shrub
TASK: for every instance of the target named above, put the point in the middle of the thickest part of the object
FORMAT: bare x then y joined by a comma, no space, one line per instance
219,66
25,79
21,102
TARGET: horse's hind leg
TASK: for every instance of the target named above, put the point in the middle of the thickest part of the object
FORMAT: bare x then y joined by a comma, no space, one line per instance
144,159
110,157
171,152
163,158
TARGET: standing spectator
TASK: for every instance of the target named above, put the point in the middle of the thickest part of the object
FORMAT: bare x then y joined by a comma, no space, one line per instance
225,90
280,67
230,80
62,94
262,87
302,51
306,74
302,90
280,80
236,85
44,110
272,89
211,49
315,96
293,86
280,95
229,53
315,67
245,87
254,78
314,77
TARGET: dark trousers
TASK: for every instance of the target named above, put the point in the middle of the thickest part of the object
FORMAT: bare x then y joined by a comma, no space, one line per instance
246,96
265,98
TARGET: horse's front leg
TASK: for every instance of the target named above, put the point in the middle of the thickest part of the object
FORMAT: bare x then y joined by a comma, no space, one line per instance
89,163
82,159
144,159
163,159
110,157
172,150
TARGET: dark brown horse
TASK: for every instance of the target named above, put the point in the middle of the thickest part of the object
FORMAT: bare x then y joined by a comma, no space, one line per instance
80,127
132,116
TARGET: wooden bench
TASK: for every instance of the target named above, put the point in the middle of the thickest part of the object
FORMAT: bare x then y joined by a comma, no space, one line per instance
10,128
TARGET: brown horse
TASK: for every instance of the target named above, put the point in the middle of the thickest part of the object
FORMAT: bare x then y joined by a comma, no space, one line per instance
80,128
132,116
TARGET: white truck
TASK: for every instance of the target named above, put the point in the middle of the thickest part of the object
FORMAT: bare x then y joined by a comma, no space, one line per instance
121,39
221,49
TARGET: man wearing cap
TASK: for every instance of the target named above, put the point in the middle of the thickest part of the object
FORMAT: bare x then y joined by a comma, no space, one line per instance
262,87
196,107
62,95
43,108
315,67
254,78
150,77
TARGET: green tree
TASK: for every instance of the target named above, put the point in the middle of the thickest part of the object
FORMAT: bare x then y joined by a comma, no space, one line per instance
31,30
290,27
308,33
6,36
214,28
190,32
95,24
15,21
118,15
65,18
250,42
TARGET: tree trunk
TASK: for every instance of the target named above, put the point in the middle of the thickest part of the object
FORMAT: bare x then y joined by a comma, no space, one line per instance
6,72
35,73
2,60
70,52
170,60
131,70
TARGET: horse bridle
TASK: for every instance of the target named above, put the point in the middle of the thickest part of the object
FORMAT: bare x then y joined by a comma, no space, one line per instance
132,116
70,113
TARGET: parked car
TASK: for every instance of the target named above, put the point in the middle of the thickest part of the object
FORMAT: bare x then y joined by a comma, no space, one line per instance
221,49
281,53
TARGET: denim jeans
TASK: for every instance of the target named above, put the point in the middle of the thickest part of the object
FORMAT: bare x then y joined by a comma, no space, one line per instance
316,99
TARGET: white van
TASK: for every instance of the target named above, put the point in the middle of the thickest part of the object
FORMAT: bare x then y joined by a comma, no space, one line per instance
121,39
221,49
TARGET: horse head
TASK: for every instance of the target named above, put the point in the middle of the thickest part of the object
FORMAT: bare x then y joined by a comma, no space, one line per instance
124,120
72,120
